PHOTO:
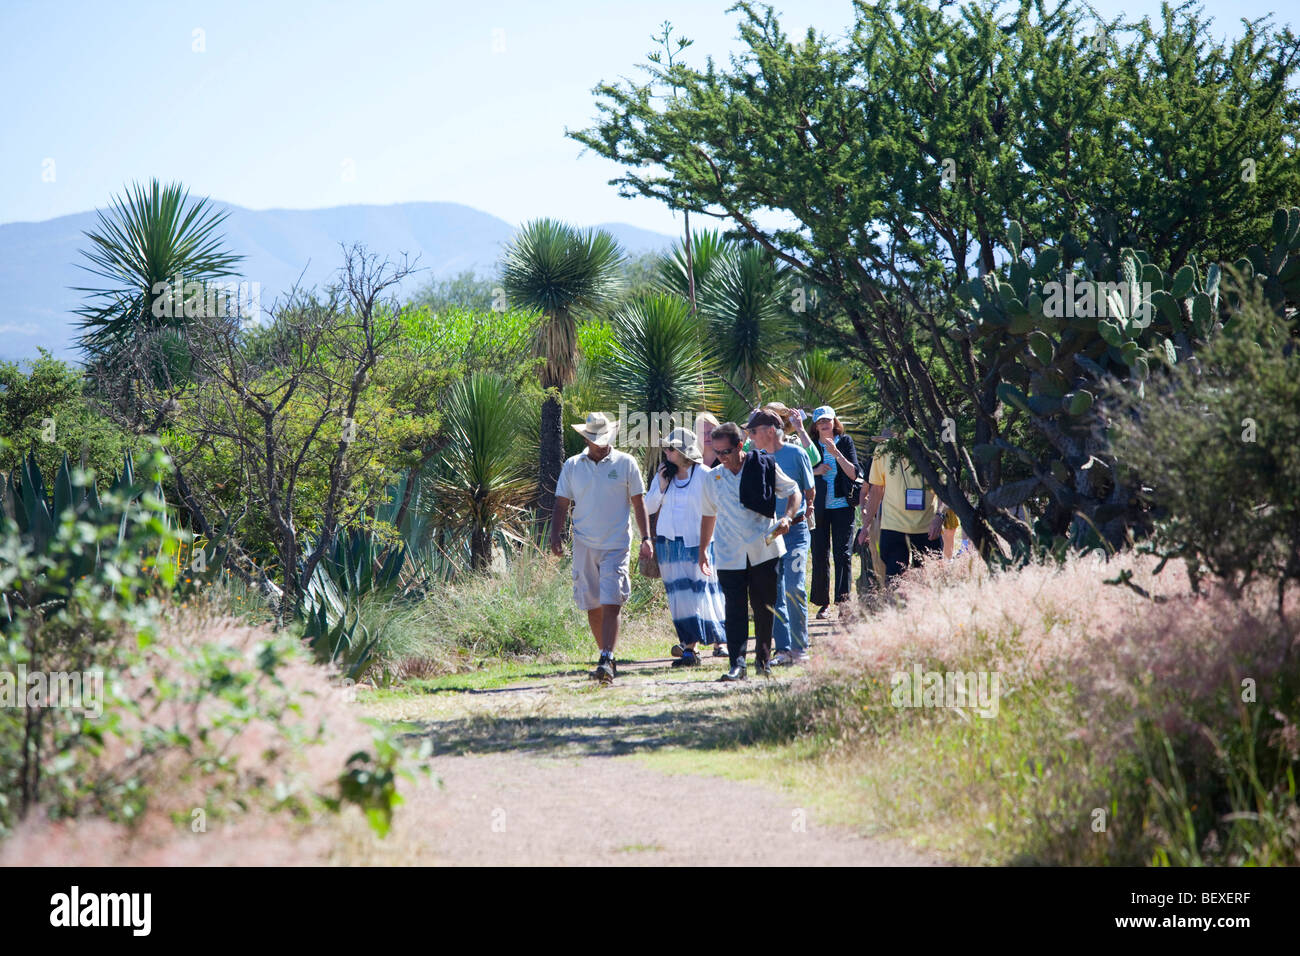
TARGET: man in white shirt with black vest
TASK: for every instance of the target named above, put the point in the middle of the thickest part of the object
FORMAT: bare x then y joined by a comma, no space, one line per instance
602,483
739,498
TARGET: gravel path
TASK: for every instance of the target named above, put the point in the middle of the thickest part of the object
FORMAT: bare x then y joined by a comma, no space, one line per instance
545,772
509,809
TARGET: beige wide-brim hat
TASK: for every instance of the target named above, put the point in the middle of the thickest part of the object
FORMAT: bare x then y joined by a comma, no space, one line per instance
597,429
683,439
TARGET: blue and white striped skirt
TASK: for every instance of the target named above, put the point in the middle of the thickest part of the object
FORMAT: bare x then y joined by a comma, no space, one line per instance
694,601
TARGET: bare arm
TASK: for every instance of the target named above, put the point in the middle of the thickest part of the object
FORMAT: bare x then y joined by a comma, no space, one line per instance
558,517
706,535
870,507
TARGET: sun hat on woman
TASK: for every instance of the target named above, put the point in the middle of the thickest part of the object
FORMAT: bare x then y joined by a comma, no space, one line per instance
683,439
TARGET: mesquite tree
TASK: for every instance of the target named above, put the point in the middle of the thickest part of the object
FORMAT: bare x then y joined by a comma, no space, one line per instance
933,148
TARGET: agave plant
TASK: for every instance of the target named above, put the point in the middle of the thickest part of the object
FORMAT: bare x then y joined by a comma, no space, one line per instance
656,365
479,478
150,238
78,534
558,270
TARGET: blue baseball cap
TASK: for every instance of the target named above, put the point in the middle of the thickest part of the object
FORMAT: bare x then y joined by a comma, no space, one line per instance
822,411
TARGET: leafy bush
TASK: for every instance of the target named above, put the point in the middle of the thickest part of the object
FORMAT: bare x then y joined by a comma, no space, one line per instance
1218,444
152,700
45,411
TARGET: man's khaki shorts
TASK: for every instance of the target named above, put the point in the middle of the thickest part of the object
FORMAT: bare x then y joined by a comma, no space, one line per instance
599,576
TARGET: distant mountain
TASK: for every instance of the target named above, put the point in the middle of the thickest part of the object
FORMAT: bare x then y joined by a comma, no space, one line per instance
39,260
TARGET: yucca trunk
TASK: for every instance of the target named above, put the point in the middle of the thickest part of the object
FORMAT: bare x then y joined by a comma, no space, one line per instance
480,547
552,457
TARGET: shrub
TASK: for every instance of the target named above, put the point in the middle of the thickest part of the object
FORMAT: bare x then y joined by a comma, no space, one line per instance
1219,447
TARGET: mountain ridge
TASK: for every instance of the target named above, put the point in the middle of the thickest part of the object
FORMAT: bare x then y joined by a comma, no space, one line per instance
40,261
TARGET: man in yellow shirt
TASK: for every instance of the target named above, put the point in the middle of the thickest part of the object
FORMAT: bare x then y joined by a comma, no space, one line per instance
912,517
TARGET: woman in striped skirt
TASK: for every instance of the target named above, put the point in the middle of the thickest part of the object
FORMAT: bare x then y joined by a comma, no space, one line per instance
694,601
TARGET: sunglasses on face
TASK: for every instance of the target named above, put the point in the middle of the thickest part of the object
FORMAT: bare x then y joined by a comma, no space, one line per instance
723,451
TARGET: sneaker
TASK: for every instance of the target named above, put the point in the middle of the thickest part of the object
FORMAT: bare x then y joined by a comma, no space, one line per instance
799,657
782,659
736,673
605,672
676,650
763,670
688,659
720,650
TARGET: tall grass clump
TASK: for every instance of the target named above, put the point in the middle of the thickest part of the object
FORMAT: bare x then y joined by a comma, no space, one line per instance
526,611
1123,732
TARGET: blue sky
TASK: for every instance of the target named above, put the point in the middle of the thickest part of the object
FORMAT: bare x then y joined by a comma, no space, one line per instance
306,105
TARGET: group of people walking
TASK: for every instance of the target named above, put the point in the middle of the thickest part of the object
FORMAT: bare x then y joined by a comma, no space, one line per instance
731,519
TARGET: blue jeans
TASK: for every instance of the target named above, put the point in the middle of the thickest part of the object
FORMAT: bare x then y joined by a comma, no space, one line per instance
791,624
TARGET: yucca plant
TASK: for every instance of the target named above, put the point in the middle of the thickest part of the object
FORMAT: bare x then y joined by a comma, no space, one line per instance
149,238
708,248
656,365
479,478
746,303
558,270
814,378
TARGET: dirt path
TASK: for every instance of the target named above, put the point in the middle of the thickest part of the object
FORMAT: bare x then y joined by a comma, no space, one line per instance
545,771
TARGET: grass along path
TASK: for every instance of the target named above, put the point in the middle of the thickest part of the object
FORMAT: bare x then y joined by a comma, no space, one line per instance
541,765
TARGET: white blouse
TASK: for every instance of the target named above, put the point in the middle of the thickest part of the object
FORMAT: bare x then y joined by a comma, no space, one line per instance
679,508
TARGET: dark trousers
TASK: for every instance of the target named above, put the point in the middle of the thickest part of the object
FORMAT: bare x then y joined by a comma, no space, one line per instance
898,550
832,535
754,587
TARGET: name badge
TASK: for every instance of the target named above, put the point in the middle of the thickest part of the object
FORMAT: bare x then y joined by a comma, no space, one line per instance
915,499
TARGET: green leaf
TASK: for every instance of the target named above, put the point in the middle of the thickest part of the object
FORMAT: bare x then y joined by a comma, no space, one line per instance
1281,228
1184,279
1078,402
1014,236
1046,263
1011,395
1041,346
1201,313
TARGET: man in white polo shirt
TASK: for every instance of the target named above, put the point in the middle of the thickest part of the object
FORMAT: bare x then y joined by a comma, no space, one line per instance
602,483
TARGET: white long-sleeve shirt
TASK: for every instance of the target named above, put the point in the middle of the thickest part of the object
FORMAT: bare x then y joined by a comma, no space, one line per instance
679,509
738,535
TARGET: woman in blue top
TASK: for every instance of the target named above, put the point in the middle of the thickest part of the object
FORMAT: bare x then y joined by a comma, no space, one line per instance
833,530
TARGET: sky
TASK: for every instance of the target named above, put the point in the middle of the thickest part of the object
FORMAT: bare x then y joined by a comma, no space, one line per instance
300,105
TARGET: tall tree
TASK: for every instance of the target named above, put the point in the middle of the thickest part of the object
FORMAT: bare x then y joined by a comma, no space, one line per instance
558,270
932,148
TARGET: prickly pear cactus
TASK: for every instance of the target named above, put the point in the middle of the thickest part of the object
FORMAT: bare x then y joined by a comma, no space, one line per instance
1054,326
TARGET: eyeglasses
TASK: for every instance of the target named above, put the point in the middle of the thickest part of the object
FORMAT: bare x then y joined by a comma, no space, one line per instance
723,451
